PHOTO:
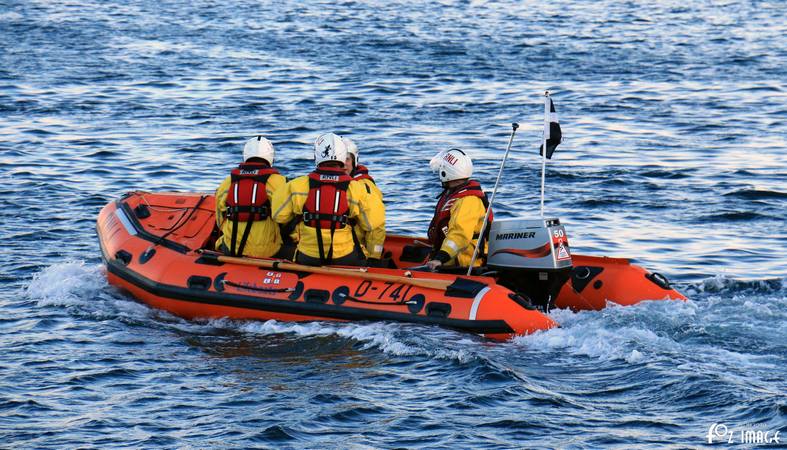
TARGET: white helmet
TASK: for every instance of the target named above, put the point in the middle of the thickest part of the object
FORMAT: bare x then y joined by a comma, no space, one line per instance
258,147
452,165
329,147
351,148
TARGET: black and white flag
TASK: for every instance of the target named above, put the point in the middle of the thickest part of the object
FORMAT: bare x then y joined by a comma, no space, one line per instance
552,133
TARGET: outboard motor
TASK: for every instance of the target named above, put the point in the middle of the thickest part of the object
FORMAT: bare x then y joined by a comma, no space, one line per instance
532,257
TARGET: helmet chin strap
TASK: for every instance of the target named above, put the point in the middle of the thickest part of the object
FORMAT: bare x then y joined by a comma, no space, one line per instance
448,184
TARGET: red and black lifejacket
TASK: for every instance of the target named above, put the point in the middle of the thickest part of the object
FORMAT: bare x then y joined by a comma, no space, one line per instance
438,228
361,173
247,200
327,206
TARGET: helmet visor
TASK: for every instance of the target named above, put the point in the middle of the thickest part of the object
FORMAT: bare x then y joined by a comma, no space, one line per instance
434,163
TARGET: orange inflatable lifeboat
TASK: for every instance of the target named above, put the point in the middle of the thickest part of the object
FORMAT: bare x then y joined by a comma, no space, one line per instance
154,247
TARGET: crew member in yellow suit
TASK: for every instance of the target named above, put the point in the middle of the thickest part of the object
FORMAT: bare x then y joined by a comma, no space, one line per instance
459,214
371,242
327,203
240,200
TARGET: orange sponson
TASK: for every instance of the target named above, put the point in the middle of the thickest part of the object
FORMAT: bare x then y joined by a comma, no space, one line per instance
598,280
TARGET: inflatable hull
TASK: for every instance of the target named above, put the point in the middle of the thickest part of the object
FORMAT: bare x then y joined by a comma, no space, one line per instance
151,245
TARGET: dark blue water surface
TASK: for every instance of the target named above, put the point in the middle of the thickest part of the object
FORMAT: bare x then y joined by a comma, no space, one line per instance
675,154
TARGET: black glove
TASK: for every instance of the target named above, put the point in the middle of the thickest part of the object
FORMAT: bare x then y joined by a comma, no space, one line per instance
442,256
374,262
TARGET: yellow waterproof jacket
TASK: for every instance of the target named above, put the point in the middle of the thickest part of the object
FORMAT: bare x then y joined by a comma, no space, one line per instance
264,237
467,217
287,205
372,241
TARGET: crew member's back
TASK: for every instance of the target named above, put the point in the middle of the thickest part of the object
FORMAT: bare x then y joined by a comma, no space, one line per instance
327,203
243,206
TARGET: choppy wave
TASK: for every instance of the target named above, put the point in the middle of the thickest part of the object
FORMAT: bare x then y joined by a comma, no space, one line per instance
720,331
721,284
757,194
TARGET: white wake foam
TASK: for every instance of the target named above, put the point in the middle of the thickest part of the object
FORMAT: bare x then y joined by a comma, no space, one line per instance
66,284
616,332
399,339
84,288
696,333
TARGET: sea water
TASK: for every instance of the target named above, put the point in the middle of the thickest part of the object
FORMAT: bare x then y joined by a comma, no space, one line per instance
674,116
